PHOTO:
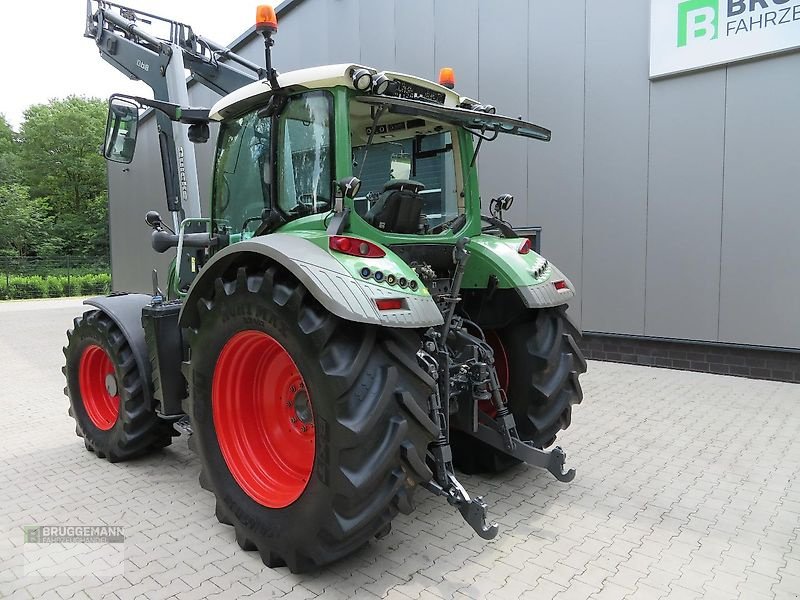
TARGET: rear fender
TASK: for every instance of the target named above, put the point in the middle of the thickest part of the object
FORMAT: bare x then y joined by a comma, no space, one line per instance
536,280
334,283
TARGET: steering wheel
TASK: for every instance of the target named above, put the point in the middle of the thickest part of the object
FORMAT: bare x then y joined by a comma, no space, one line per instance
307,207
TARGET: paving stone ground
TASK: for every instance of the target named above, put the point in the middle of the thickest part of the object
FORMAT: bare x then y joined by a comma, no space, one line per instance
687,487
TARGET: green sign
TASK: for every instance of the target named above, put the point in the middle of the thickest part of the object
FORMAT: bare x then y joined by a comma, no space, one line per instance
698,20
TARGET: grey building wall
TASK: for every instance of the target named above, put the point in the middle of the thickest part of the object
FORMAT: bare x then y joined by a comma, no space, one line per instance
673,205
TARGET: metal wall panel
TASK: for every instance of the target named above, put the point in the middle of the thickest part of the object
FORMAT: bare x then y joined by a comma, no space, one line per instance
687,131
301,40
555,170
135,189
760,282
615,167
414,38
377,32
503,82
344,30
456,42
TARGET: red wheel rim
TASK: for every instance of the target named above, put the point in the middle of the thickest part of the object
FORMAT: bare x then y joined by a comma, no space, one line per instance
98,385
501,365
263,419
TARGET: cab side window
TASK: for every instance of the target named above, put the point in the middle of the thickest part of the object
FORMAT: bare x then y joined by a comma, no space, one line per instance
305,155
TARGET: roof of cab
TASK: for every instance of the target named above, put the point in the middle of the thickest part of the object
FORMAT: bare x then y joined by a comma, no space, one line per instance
328,76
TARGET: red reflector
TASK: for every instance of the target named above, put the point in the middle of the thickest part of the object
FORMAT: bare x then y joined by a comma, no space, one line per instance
390,304
355,247
525,246
560,285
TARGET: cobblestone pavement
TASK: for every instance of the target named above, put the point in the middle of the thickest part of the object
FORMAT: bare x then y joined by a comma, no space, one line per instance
687,487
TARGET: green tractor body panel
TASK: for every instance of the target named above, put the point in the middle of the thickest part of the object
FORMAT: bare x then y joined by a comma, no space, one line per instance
334,279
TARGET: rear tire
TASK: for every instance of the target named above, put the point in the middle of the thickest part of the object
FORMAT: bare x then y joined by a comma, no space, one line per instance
106,392
366,404
538,362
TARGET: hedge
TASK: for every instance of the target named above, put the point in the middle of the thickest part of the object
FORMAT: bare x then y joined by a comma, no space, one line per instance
17,287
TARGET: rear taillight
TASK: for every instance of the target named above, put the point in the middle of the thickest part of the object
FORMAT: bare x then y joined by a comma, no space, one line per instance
355,247
389,304
560,285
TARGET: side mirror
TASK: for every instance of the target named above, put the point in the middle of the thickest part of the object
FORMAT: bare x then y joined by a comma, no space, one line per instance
153,219
199,133
349,186
121,129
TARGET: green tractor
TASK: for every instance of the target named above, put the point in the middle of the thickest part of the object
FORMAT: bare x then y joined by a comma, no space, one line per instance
345,327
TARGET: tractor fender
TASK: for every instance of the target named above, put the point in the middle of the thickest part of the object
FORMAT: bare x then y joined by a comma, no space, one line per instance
530,274
126,312
331,284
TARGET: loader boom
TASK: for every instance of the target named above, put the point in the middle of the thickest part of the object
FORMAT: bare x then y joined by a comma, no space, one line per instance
161,62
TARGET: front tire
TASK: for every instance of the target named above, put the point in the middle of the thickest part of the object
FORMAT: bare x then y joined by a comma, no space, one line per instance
310,484
106,392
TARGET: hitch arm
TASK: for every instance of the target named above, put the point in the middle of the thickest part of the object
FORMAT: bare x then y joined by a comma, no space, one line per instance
552,460
473,510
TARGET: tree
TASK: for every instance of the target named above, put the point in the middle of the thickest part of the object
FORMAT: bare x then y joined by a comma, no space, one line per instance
9,154
24,222
84,233
60,156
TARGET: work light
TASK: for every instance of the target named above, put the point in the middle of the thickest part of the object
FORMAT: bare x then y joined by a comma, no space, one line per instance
362,80
380,84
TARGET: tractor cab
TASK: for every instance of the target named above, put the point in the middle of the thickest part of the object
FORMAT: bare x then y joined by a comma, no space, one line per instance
411,144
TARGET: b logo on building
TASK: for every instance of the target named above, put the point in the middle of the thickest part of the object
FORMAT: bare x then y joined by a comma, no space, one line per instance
698,20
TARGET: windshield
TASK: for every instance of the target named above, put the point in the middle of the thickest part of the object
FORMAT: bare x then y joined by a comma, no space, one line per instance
408,171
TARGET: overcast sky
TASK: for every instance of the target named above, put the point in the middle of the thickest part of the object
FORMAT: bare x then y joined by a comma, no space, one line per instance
46,56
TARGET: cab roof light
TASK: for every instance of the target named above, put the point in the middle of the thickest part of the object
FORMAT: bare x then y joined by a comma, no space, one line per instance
355,247
266,19
362,79
380,84
389,304
447,77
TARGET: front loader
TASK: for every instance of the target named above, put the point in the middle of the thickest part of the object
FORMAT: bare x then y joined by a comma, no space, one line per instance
344,326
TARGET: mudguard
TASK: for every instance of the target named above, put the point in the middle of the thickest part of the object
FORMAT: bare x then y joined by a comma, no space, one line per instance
126,311
335,284
537,281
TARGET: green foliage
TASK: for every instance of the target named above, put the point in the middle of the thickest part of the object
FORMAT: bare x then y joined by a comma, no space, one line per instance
52,181
34,286
59,156
24,221
9,154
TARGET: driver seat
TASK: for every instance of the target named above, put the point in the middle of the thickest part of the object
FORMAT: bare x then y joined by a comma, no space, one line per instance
399,208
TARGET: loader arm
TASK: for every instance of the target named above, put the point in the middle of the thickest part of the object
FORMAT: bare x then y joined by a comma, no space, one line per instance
160,62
